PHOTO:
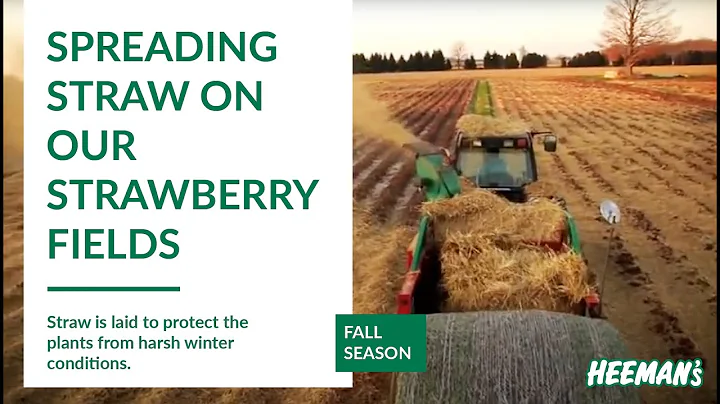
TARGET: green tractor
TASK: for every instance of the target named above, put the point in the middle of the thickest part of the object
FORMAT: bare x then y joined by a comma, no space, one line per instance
504,164
527,356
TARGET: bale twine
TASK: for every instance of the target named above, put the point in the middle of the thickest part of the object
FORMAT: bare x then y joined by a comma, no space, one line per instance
513,358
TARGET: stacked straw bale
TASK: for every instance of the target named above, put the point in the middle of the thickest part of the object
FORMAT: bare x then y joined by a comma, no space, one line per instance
485,213
490,260
476,125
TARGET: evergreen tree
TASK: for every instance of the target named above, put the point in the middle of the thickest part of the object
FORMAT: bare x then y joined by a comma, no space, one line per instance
419,62
360,64
411,64
384,64
511,61
497,60
402,64
427,61
533,60
470,63
437,60
375,63
487,61
392,64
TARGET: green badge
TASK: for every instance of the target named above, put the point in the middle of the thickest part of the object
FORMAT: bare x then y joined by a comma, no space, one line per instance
380,343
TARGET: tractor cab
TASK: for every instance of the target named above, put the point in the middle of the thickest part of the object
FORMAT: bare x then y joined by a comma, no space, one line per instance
504,164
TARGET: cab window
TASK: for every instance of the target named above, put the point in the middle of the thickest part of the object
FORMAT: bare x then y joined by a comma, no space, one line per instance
497,167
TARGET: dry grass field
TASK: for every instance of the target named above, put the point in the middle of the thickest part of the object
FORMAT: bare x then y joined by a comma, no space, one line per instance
653,150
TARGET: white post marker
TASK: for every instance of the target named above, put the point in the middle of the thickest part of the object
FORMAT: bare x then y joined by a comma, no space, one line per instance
185,224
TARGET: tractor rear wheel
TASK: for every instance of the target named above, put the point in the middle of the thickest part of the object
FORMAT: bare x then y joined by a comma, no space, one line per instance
513,357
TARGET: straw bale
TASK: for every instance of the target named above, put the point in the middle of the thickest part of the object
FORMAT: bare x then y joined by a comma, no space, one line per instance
514,357
487,273
490,257
480,211
482,125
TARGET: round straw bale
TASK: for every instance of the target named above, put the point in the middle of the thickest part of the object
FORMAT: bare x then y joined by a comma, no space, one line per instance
482,125
513,357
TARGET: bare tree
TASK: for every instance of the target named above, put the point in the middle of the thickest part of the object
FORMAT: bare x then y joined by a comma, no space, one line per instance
522,52
635,27
458,52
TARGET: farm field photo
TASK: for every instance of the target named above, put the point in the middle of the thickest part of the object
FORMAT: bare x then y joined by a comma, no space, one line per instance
653,154
596,239
620,132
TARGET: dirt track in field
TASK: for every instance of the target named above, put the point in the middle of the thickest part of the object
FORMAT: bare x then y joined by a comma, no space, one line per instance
651,151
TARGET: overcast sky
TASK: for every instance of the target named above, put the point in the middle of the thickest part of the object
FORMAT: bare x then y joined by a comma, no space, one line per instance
551,27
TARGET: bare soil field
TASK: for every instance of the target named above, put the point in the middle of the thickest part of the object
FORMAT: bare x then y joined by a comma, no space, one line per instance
701,92
546,73
702,87
655,156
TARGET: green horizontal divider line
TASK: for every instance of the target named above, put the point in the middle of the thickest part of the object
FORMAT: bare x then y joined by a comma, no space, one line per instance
113,288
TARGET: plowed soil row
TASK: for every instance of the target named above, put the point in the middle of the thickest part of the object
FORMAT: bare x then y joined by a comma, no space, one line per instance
649,91
383,173
643,153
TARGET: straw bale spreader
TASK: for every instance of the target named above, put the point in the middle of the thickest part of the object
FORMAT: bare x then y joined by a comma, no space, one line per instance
520,356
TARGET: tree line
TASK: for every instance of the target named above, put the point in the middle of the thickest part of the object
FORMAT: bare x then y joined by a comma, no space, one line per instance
512,61
417,62
436,61
598,59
